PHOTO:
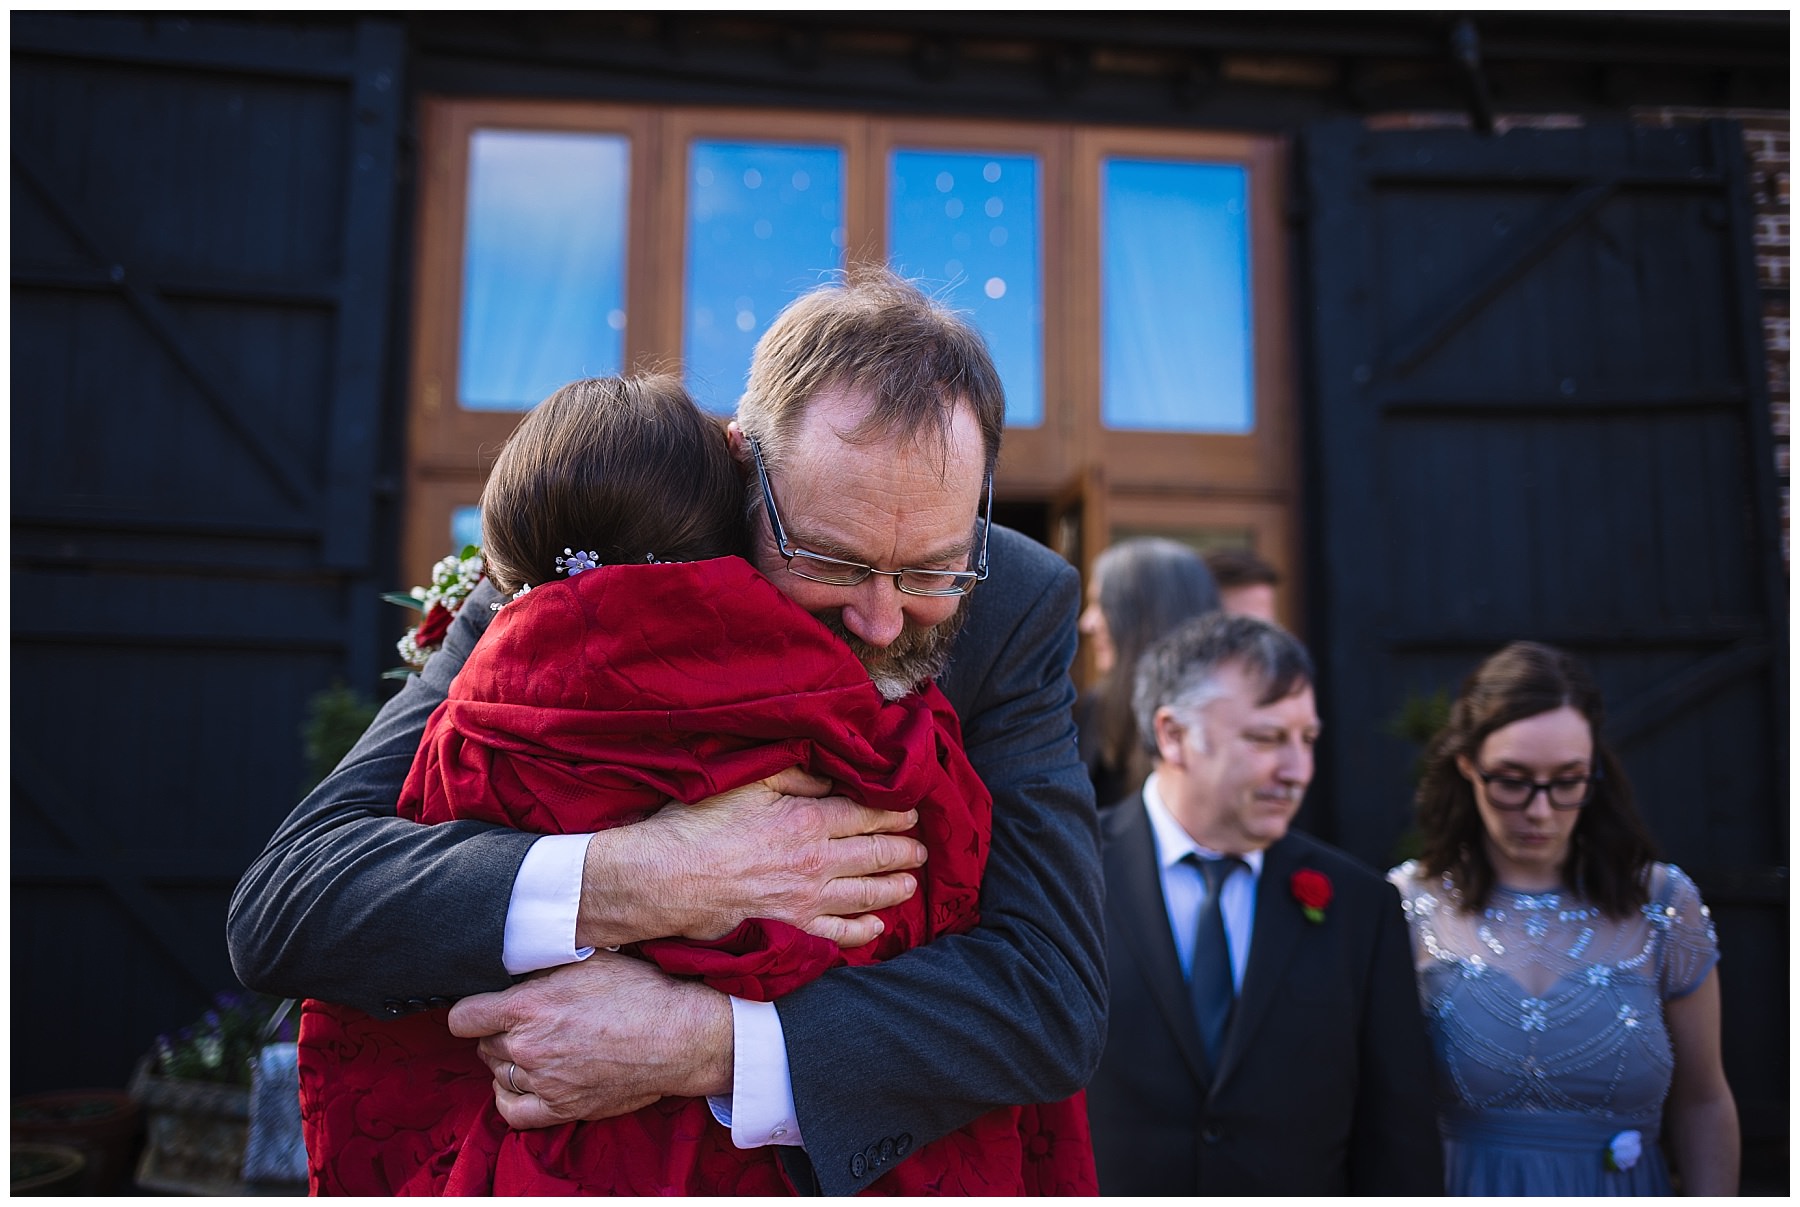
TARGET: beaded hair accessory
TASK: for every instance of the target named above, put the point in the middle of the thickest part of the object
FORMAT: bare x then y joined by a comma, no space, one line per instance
573,561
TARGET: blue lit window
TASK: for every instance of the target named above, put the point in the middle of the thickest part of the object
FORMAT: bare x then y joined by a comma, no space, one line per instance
1175,296
465,527
965,225
765,225
544,264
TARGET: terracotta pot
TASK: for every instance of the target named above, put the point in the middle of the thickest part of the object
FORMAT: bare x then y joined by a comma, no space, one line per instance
195,1135
103,1124
46,1168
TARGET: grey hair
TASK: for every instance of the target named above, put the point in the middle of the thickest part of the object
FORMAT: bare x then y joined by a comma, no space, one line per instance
1181,670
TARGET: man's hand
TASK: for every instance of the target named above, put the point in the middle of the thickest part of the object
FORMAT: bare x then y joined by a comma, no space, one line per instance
779,848
599,1038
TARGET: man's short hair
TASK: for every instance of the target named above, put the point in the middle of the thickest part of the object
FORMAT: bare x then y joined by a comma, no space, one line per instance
1181,670
878,334
1240,567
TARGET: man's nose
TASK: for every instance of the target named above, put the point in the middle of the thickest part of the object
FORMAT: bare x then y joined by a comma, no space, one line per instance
1296,764
877,614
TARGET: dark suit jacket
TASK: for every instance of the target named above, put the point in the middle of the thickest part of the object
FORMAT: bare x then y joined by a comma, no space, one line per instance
1324,1083
352,904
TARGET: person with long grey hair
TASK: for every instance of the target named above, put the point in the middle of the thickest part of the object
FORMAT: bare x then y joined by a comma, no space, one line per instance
1139,590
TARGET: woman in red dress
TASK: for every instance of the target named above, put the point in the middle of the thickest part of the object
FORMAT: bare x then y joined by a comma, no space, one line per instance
660,667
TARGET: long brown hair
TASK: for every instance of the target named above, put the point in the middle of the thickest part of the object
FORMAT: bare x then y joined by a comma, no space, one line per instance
625,467
1610,850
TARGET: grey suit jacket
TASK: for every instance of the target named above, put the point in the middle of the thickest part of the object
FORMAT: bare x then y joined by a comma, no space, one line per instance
1324,1083
352,904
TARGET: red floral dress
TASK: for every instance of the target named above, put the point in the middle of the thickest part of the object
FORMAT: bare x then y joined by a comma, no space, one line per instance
588,704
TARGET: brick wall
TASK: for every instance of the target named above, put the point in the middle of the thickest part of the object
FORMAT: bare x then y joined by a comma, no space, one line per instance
1766,148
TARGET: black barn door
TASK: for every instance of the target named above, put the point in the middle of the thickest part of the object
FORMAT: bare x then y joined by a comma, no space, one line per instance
1539,409
202,229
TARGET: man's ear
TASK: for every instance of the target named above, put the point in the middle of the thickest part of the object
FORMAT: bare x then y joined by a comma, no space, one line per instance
1169,731
740,447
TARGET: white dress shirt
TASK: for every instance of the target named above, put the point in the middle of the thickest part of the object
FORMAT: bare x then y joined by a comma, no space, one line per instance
1184,887
540,933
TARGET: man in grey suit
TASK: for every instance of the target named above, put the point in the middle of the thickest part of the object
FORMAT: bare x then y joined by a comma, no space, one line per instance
1264,1032
869,432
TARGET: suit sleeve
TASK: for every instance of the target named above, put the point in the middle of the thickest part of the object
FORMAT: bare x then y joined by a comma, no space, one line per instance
1395,1148
350,903
892,1056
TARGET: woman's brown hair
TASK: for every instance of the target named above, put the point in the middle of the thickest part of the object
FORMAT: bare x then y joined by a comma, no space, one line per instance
1610,850
626,467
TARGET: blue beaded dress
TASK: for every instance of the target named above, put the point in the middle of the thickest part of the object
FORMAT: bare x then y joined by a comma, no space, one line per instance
1547,1028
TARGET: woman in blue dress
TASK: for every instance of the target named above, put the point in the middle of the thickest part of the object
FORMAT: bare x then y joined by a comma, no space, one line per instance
1568,978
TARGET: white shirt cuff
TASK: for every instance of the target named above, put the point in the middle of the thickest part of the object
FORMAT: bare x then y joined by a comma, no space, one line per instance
546,899
760,1109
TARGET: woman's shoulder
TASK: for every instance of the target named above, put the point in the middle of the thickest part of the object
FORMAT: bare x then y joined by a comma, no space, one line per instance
1681,930
1666,884
1408,877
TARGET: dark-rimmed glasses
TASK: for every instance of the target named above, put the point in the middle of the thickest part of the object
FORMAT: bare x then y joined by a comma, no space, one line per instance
818,568
1512,793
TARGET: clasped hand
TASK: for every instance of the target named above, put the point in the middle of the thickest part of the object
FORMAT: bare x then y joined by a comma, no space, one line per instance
612,1034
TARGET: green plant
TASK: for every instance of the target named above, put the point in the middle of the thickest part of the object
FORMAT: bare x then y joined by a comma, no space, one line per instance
1421,717
335,718
1419,720
218,1046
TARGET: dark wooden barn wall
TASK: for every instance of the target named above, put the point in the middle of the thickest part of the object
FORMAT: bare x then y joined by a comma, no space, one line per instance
202,234
1539,410
204,220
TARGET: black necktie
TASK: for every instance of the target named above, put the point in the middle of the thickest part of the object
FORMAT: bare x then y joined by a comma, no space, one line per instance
1210,986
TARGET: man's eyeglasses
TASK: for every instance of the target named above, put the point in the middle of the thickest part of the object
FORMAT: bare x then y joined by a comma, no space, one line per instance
816,567
1512,793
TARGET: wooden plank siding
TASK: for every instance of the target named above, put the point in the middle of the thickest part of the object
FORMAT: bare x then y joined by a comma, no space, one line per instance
1540,412
1532,401
202,237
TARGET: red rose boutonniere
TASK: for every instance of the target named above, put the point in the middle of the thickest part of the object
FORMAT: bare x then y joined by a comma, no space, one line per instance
1312,889
434,627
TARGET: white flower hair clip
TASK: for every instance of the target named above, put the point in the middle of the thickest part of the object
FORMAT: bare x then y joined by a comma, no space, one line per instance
574,561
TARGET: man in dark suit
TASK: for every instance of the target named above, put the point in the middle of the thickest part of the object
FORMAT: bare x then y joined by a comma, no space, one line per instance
1264,1033
876,419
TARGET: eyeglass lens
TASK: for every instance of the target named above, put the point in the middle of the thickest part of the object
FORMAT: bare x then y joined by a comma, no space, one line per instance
1513,792
845,574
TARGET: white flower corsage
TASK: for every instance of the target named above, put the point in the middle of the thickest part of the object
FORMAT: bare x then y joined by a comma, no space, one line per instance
1624,1149
452,580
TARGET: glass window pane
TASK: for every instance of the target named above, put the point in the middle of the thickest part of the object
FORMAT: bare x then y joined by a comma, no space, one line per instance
1175,296
765,225
465,527
544,264
965,224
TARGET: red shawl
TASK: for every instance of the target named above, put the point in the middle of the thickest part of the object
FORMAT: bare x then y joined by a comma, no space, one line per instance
588,705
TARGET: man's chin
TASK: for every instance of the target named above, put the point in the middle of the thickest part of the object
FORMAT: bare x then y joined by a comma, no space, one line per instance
912,658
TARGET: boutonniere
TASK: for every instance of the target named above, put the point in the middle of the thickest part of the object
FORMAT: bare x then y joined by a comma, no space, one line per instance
1312,889
1624,1149
452,580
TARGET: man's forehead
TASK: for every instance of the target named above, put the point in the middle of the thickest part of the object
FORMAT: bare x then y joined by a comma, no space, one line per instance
1249,689
849,416
831,442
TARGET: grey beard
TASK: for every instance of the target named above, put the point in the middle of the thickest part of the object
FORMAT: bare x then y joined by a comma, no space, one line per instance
910,659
